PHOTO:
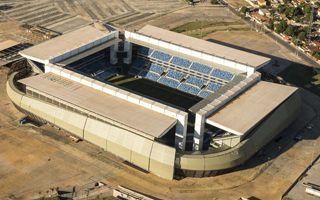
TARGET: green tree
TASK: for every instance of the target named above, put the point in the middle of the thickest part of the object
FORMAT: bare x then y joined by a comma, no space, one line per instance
297,11
307,9
289,30
282,8
316,55
271,24
281,27
244,9
214,2
302,36
289,12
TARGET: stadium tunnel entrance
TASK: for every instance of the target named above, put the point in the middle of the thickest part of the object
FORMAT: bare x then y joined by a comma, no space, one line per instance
216,139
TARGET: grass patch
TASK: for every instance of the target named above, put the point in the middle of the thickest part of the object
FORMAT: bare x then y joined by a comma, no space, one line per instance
195,25
200,34
302,76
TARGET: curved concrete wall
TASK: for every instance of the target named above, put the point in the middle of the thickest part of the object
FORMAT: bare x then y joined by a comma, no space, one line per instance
142,152
281,118
150,155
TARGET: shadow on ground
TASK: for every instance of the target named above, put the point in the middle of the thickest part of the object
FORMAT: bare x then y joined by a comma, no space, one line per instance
296,74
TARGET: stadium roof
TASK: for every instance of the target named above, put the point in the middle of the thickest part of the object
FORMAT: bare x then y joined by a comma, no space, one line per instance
7,44
127,114
204,46
64,43
247,110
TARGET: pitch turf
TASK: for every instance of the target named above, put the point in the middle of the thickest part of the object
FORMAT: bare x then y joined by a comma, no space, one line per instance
156,91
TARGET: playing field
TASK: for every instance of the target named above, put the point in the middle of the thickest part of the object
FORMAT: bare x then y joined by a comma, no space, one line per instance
156,91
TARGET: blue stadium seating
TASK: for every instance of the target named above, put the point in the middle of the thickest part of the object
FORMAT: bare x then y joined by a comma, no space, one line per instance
189,89
181,62
157,68
196,81
204,93
139,63
169,82
204,69
161,56
152,76
213,86
134,71
145,51
222,74
175,74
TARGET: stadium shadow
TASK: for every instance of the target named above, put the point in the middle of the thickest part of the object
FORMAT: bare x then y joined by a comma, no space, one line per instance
296,74
249,50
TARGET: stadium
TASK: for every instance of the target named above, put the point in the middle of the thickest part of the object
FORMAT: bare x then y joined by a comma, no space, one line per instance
164,102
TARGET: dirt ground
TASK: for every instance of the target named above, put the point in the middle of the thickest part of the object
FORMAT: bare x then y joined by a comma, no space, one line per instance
33,160
238,3
185,15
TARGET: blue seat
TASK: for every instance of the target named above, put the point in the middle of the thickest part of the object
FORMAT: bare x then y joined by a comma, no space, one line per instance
157,68
222,74
145,51
189,89
204,93
137,66
169,82
175,74
213,86
204,69
139,63
152,76
181,62
196,81
134,71
161,56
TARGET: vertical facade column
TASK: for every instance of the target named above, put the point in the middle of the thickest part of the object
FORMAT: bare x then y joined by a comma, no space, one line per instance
128,49
199,131
113,54
181,131
250,71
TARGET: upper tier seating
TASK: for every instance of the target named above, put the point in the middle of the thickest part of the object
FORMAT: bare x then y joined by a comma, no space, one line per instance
190,80
181,62
222,74
196,81
145,51
161,56
151,76
175,74
204,69
157,68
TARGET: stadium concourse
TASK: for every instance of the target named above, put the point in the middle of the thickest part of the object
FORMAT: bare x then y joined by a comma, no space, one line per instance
165,102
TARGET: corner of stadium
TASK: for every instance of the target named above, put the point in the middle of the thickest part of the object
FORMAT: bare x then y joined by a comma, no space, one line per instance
165,102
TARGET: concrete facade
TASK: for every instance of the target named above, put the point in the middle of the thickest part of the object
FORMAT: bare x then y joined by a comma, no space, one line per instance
142,152
182,117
